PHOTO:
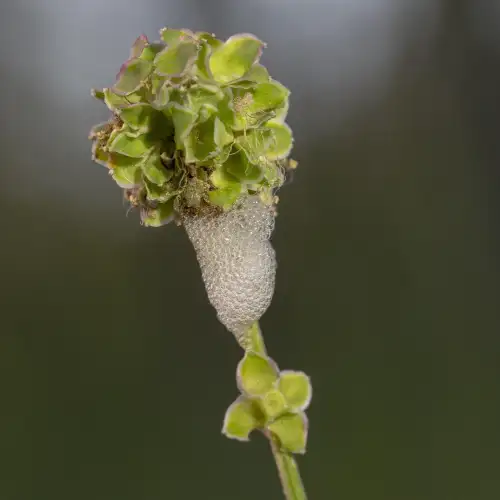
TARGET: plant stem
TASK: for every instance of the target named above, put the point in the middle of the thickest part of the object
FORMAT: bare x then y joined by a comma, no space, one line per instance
288,469
256,340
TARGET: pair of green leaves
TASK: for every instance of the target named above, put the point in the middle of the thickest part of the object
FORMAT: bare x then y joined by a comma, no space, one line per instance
270,400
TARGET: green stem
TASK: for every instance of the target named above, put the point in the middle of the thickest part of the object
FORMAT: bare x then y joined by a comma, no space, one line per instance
288,469
256,340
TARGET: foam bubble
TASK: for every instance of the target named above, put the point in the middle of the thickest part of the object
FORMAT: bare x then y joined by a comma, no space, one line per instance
237,261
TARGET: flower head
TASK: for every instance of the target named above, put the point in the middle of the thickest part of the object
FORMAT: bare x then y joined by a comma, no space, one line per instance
197,125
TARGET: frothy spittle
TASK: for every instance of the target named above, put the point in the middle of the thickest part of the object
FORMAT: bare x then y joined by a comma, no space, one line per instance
237,261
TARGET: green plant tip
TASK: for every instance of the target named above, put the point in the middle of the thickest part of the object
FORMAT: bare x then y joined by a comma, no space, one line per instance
273,404
195,120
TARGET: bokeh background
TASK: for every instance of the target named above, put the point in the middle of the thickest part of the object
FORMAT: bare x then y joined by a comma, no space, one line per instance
114,372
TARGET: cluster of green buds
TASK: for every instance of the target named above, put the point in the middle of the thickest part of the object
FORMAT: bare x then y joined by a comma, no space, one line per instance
270,401
197,124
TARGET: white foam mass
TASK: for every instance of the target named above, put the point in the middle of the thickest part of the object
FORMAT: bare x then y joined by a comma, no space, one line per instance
237,261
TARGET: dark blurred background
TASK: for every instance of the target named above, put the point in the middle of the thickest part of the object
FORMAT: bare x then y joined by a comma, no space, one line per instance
114,372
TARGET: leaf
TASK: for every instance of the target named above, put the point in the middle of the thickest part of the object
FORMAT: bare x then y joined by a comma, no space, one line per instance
268,96
202,141
206,112
203,70
255,143
282,143
225,109
149,53
154,170
273,404
184,120
291,430
209,38
225,197
240,420
255,75
208,138
135,147
127,176
281,112
117,102
177,59
132,75
228,189
116,160
199,96
115,132
160,193
138,46
243,118
137,116
235,57
296,389
161,128
162,95
256,374
211,87
173,37
178,98
208,44
221,179
223,155
159,216
222,135
257,105
238,166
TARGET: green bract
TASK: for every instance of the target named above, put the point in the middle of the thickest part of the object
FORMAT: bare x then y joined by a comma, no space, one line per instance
291,430
242,417
296,389
196,124
256,374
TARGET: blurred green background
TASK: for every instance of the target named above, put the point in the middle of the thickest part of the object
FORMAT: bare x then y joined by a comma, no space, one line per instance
114,372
